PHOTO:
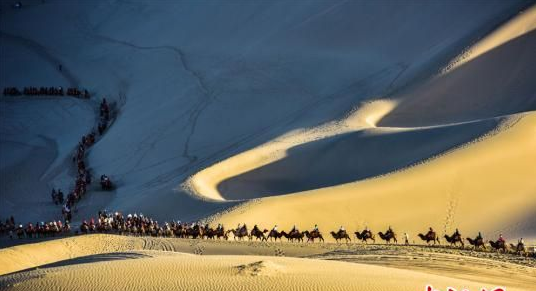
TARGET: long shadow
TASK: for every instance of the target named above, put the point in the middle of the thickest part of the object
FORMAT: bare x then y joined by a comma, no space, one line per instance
88,259
500,83
96,258
349,157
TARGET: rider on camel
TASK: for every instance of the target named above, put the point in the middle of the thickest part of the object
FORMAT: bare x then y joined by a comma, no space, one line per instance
430,231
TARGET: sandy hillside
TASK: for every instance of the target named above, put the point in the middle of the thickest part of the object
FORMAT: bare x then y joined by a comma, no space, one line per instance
134,263
485,185
444,193
193,93
353,113
135,271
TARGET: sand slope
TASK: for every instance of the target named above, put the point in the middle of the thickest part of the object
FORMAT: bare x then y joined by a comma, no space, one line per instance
165,271
484,186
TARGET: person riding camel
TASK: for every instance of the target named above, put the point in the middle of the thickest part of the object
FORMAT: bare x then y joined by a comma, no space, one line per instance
389,231
275,228
342,230
501,239
256,228
521,242
457,233
294,229
430,232
315,229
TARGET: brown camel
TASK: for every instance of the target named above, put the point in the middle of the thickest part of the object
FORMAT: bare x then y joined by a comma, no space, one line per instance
294,235
258,234
476,243
388,236
431,236
341,234
274,234
454,239
519,249
498,245
238,233
315,234
365,235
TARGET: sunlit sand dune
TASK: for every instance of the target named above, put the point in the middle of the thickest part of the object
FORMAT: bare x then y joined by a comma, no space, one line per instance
485,186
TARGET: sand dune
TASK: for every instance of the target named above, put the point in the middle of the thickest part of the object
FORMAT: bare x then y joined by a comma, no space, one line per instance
150,270
386,136
141,263
445,193
355,113
491,81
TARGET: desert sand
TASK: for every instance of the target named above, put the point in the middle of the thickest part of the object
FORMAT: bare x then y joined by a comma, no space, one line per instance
103,261
336,113
490,163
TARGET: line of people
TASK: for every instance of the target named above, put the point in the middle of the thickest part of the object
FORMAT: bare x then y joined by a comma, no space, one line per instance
84,177
140,225
46,91
104,116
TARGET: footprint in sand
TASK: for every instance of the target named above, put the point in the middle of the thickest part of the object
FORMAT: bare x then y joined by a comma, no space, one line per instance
258,268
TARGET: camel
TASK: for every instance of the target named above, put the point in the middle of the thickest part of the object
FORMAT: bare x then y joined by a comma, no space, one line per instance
258,234
294,235
454,239
341,234
311,236
388,236
84,228
274,234
430,236
498,245
365,235
476,243
238,233
519,249
195,232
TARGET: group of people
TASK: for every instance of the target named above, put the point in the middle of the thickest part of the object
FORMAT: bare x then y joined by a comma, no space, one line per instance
141,225
30,230
46,91
83,174
8,225
133,224
104,116
39,230
57,196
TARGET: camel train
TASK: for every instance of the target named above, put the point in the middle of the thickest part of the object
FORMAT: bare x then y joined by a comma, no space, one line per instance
140,225
46,91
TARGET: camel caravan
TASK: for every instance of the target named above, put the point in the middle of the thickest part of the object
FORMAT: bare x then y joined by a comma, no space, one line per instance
140,225
37,230
47,91
83,174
